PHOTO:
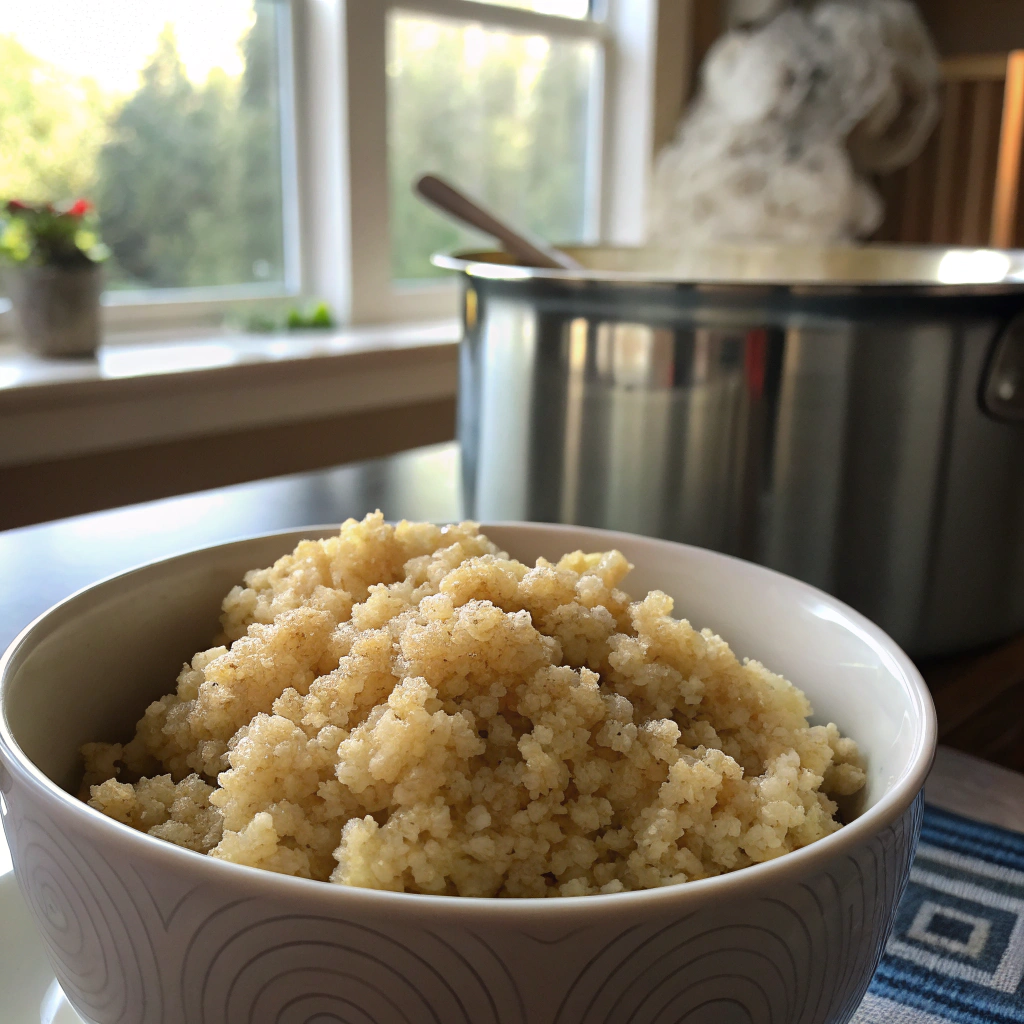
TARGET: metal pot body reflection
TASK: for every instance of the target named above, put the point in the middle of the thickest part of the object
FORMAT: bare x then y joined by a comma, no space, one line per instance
840,435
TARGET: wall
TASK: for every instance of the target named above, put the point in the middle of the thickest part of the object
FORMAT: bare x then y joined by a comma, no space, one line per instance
975,26
959,26
673,64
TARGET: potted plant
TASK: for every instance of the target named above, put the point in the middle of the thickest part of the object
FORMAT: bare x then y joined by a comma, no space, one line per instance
55,274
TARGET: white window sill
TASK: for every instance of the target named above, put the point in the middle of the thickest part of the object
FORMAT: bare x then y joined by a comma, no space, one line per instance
139,394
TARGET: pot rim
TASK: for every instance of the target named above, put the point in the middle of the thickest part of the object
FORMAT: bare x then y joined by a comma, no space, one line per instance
877,269
791,867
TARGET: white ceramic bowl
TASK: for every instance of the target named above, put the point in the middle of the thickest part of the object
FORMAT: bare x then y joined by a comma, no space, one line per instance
139,930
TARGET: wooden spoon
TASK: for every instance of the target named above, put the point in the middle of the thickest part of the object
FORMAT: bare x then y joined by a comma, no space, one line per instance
530,251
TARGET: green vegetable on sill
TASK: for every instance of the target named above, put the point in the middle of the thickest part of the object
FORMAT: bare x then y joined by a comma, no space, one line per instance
320,317
261,321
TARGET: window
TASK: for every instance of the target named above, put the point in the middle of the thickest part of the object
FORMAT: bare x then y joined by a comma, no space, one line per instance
245,151
573,169
470,102
168,116
565,8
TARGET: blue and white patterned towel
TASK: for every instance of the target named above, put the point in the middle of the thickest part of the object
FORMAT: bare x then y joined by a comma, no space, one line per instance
957,949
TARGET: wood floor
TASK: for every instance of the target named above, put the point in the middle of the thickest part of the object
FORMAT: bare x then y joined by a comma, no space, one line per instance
980,702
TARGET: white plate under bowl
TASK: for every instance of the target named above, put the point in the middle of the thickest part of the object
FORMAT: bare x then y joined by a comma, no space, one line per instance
29,993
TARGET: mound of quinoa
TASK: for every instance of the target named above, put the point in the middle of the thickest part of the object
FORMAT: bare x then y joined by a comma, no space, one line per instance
407,708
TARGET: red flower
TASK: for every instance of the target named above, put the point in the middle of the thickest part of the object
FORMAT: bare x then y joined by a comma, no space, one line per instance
14,205
79,208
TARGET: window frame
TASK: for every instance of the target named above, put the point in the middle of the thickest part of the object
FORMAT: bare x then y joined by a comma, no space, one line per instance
332,56
622,135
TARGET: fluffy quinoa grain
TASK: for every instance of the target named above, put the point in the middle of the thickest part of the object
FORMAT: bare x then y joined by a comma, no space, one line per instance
407,708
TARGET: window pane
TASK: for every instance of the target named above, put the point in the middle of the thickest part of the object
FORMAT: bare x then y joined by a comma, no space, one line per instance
565,8
503,115
166,114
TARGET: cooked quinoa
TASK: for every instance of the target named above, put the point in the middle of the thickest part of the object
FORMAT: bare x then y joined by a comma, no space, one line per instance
407,708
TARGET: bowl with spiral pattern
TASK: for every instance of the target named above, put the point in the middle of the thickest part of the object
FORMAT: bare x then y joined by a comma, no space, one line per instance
139,930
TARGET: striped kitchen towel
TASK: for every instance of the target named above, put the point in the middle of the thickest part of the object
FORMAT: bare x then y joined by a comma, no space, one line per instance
956,953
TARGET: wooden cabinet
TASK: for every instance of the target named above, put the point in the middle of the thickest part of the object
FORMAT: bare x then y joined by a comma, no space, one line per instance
964,188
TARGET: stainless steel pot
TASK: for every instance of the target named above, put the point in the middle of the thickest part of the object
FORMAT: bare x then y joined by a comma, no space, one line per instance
850,416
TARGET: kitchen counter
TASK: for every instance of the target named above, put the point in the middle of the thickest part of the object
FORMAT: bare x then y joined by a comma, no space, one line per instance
158,418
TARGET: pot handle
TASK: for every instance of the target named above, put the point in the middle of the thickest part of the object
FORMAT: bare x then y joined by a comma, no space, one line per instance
1001,392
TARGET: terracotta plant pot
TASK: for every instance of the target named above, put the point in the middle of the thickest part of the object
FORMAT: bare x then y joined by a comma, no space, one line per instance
59,308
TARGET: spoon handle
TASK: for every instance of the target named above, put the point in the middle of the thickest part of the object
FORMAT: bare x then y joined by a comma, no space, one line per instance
458,205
